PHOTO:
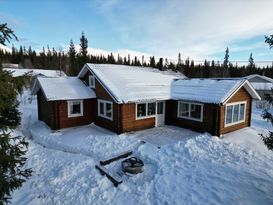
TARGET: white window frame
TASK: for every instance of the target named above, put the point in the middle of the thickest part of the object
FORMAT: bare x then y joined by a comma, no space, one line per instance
146,116
189,105
89,81
69,102
232,104
104,115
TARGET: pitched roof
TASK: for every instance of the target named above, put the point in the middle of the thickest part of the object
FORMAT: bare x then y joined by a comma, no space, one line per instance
131,83
249,77
216,91
63,88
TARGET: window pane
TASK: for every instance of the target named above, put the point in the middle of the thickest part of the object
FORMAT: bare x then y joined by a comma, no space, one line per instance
91,80
184,109
108,110
102,108
196,111
76,108
242,112
229,114
151,108
236,113
160,108
141,110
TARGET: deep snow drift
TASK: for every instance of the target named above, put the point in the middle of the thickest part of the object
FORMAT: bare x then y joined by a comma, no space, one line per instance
192,168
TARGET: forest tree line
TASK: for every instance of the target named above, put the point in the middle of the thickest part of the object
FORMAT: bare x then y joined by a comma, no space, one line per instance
72,61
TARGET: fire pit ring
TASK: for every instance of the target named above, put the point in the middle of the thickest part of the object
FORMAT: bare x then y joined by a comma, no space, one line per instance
132,165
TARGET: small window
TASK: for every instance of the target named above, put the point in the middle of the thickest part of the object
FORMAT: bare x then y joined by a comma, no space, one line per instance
151,109
160,108
145,110
75,108
105,109
235,113
91,81
141,110
192,111
101,108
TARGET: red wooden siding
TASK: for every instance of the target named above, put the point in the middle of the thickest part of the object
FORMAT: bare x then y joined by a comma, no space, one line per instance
128,119
55,113
241,95
209,118
65,121
45,112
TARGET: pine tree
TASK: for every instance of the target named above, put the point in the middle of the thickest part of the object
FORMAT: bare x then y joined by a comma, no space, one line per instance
268,140
6,34
72,59
152,61
226,58
13,149
269,40
251,63
226,64
83,55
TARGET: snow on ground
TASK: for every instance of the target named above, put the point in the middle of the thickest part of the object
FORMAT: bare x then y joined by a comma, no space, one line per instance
192,168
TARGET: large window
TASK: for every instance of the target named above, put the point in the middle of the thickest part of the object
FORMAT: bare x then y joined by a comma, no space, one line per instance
145,110
105,109
75,108
193,111
91,81
235,113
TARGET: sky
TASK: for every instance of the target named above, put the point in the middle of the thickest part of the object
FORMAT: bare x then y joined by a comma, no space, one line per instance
198,29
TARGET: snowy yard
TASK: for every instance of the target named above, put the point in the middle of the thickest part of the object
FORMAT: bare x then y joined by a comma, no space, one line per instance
189,167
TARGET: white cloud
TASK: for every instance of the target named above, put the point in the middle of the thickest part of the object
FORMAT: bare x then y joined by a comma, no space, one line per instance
196,28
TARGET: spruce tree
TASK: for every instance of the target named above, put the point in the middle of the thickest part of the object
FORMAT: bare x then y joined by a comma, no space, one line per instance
83,51
269,40
226,58
12,148
268,140
72,59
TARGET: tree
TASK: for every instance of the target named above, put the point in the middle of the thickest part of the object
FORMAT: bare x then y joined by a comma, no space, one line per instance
226,58
12,148
72,59
6,34
83,50
251,63
269,40
226,64
268,140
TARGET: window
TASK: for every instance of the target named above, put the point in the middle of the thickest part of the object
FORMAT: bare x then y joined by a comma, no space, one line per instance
193,111
235,113
160,107
105,109
75,108
91,81
145,110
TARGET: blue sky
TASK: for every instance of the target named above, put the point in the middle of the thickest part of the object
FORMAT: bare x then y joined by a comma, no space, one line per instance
198,29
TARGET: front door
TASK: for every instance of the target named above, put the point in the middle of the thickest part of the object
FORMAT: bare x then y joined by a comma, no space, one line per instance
160,113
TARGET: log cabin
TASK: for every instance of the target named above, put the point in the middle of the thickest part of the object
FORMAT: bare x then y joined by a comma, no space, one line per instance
127,98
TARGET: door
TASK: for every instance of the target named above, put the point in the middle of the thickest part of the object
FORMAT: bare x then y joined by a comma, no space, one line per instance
160,113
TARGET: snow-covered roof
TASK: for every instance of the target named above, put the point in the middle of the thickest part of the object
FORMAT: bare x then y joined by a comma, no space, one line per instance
63,88
216,91
262,86
265,78
35,72
133,84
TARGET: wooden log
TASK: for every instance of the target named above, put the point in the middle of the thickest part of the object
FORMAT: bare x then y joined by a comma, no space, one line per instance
116,157
104,171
